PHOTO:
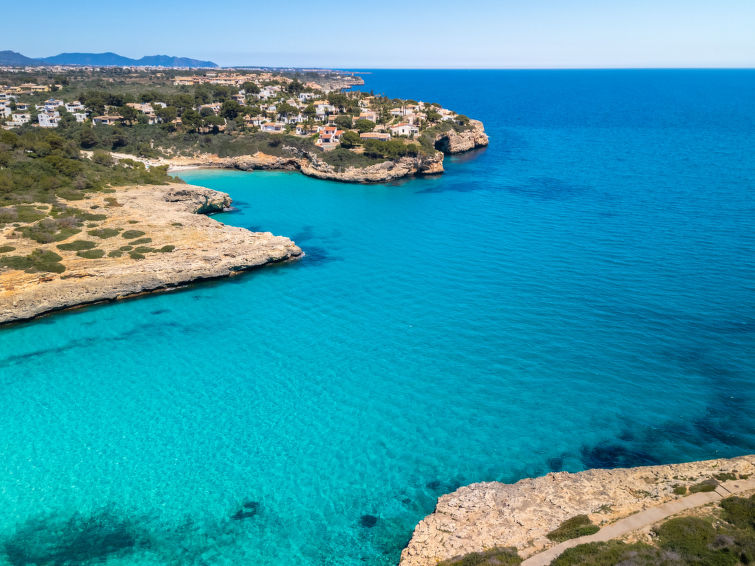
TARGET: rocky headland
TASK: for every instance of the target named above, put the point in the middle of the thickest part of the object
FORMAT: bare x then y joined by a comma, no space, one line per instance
139,239
486,515
311,164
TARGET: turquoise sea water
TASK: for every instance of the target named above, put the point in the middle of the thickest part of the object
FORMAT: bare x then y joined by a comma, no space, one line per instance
579,294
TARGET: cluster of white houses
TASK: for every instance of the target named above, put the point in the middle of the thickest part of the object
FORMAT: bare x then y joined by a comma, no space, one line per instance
48,113
279,112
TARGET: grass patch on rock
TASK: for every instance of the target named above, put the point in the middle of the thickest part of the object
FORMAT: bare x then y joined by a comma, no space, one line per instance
104,233
725,476
77,245
704,486
494,557
20,213
610,553
91,254
6,249
131,234
50,230
141,241
37,261
575,527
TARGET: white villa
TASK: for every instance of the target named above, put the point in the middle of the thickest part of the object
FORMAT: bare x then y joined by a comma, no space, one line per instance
272,127
48,119
74,106
404,129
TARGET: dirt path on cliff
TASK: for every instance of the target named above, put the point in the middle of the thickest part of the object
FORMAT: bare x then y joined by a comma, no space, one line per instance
644,519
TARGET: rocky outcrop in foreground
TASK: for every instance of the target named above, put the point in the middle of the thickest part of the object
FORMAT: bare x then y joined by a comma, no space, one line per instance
492,514
171,243
452,142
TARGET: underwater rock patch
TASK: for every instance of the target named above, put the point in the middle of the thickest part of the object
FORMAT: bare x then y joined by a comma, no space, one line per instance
248,509
80,539
368,521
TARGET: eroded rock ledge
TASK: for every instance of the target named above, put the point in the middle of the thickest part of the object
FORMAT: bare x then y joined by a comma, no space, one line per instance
485,515
169,216
310,164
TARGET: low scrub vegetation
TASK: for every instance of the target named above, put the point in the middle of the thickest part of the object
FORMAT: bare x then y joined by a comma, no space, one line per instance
91,254
40,166
77,245
131,234
104,233
703,486
37,261
725,537
575,527
493,557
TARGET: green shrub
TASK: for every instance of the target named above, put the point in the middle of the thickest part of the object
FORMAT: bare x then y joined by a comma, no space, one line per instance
131,234
91,254
6,249
126,248
144,250
725,476
609,554
691,538
141,241
20,213
115,253
680,489
704,486
575,527
135,255
38,260
167,249
104,232
77,245
493,557
739,511
50,230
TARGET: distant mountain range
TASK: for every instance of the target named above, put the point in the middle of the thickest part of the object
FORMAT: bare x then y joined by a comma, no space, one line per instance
11,58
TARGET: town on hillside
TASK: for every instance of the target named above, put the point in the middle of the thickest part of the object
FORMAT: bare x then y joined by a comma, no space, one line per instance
146,112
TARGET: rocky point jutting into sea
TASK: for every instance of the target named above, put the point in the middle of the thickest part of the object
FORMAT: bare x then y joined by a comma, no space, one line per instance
447,143
153,238
487,515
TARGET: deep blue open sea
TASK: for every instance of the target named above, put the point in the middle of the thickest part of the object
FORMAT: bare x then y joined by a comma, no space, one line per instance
579,294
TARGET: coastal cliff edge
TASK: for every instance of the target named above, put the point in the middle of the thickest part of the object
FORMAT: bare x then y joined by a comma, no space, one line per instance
147,238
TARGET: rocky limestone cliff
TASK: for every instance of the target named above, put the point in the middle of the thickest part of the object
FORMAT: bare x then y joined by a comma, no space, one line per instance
485,515
313,166
169,216
451,142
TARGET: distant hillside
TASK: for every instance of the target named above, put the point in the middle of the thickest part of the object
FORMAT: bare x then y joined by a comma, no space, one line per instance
168,61
12,58
95,59
108,59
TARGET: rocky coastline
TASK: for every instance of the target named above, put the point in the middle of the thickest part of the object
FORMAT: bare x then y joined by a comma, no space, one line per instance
448,143
486,515
171,242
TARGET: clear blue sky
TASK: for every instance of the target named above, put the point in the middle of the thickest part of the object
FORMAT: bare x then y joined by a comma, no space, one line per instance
397,33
